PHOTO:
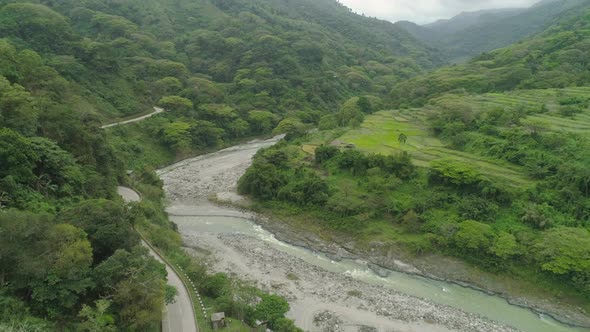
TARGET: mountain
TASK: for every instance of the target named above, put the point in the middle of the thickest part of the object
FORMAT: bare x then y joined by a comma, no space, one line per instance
469,34
486,162
555,58
224,70
466,20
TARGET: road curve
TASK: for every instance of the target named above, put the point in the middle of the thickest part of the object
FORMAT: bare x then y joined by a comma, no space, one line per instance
157,110
178,316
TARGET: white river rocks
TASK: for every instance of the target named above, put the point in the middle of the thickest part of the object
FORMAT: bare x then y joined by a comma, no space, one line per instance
320,300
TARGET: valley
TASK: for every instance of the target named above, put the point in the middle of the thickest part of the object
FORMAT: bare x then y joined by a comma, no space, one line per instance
300,166
344,291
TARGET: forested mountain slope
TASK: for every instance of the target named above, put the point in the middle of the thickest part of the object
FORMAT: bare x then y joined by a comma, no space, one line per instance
470,34
222,69
553,59
487,162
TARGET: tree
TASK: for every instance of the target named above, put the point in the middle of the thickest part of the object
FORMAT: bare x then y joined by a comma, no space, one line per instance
49,261
176,103
205,134
96,319
292,128
271,308
364,105
261,121
56,169
178,135
38,25
402,138
474,236
18,110
450,171
309,189
170,294
263,181
135,282
504,246
285,325
18,157
66,279
167,86
238,128
216,285
564,250
538,216
411,220
108,225
325,152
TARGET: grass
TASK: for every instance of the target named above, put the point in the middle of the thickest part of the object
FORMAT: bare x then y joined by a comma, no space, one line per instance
380,131
135,144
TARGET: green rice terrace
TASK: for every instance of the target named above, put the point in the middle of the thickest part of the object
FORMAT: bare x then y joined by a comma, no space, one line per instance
547,110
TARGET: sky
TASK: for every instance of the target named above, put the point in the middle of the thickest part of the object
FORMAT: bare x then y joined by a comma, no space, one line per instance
426,11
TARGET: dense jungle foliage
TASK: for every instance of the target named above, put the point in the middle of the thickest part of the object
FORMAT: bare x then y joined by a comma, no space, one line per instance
223,70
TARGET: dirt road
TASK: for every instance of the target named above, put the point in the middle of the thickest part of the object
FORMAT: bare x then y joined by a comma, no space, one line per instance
157,110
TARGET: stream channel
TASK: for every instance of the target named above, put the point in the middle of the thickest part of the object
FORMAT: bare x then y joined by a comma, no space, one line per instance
241,246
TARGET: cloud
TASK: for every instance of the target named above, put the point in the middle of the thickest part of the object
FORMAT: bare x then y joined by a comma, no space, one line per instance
425,11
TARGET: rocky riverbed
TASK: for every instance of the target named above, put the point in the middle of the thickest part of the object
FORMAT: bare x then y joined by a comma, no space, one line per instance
320,300
327,301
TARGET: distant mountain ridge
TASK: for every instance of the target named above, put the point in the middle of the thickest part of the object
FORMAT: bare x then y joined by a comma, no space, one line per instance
555,58
467,19
472,33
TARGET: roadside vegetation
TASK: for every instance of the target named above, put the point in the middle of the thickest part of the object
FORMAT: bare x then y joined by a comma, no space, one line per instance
242,303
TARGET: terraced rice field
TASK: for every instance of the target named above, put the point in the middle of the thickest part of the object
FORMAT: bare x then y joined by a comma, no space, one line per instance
380,131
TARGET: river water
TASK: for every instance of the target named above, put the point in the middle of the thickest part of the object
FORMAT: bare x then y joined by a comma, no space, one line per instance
189,183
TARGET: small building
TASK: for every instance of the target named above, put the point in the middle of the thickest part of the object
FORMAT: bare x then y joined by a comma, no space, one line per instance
218,320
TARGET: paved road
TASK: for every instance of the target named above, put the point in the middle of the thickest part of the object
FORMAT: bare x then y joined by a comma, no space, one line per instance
178,316
157,110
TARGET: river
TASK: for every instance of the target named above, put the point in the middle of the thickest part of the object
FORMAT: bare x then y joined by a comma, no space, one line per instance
324,295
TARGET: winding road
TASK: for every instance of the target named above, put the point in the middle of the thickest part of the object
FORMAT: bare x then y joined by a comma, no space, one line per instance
157,110
178,316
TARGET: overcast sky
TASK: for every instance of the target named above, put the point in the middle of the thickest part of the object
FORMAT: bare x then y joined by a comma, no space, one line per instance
426,11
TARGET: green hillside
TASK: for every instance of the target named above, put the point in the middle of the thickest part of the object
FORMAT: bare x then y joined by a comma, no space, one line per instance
500,181
483,177
470,34
486,162
553,59
223,70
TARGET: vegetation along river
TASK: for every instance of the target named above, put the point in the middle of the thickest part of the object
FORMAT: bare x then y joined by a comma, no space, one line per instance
324,295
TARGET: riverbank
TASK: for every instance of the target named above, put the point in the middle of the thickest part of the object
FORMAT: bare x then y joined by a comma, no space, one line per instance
328,301
316,295
382,259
